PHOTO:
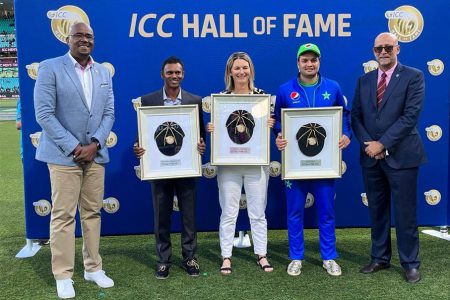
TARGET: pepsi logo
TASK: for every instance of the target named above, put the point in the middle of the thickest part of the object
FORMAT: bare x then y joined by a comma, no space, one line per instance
295,95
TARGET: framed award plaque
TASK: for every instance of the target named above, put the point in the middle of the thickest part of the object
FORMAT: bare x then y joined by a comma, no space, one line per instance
169,135
241,134
313,136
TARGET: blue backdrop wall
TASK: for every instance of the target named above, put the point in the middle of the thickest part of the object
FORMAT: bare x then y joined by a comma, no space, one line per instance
133,38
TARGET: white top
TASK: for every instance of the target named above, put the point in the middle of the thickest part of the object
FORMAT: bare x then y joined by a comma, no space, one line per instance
85,76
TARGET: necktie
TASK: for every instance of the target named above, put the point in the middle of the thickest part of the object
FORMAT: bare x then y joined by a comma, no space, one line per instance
381,88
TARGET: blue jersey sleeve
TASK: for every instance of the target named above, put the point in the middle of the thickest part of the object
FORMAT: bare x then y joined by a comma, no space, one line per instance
18,111
279,104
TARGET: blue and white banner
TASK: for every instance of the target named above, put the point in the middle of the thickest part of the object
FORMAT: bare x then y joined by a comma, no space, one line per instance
132,38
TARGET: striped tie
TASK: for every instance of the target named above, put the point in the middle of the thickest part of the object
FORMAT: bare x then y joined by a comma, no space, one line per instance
381,88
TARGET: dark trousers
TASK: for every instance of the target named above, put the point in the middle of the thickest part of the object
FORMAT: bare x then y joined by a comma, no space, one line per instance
384,184
163,192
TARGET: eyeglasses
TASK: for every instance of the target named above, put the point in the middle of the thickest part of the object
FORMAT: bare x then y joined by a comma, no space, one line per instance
387,48
79,36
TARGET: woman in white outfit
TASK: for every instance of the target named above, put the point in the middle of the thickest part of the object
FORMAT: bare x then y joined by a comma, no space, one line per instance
239,79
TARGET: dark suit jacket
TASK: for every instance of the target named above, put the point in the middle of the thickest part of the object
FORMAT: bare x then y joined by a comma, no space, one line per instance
156,99
394,123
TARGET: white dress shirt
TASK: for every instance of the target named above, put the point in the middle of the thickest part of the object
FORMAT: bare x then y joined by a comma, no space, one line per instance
85,76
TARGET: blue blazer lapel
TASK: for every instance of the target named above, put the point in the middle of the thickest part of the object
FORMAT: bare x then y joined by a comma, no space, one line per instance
70,70
373,87
392,84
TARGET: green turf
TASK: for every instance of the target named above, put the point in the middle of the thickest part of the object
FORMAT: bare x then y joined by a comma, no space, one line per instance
130,261
8,103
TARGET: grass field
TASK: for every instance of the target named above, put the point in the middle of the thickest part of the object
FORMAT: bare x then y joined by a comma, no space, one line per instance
8,103
130,261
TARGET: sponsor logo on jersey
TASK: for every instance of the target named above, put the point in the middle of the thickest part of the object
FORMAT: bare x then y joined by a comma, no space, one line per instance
295,95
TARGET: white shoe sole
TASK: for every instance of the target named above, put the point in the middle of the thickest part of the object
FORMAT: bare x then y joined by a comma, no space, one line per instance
102,286
66,296
331,273
294,274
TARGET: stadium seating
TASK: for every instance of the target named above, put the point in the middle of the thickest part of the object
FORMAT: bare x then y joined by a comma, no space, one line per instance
9,81
7,33
7,26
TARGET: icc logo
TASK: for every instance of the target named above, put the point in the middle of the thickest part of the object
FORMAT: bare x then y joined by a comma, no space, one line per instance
175,206
370,66
364,199
209,171
137,171
111,205
309,200
273,100
35,138
136,103
274,169
65,17
32,70
343,167
110,68
406,22
243,202
434,133
206,104
111,141
435,67
433,197
42,207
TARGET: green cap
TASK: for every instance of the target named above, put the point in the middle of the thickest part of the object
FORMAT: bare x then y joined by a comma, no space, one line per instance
308,48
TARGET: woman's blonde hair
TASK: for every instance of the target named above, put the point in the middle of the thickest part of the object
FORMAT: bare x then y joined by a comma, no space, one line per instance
229,82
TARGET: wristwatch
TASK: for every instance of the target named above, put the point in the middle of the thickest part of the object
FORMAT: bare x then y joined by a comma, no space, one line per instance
97,143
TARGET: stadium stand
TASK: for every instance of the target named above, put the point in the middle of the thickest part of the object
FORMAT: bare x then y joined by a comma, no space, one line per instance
9,78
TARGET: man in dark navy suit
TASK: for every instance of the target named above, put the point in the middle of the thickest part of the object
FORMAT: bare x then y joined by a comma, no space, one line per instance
163,190
385,113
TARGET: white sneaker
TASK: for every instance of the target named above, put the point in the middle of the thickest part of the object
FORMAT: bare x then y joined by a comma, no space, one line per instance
99,278
332,267
64,287
295,268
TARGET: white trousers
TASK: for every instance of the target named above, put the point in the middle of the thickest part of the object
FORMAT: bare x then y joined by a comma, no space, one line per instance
255,179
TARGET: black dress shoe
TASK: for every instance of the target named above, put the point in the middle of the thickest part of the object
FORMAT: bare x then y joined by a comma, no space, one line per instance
162,272
191,266
374,267
412,275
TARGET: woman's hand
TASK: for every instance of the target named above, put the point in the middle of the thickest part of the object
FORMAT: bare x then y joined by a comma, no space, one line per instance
271,122
210,127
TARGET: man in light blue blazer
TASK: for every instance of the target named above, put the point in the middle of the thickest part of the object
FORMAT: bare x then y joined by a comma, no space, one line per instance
74,105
